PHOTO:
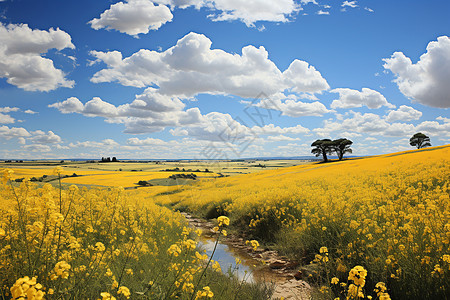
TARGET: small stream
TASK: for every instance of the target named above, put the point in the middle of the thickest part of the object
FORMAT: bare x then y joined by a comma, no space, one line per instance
249,269
232,249
255,266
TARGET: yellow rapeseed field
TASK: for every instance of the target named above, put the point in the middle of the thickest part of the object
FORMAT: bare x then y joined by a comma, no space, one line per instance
102,243
99,177
389,214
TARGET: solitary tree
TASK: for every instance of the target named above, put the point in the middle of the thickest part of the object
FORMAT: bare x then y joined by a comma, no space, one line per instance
420,140
323,147
342,146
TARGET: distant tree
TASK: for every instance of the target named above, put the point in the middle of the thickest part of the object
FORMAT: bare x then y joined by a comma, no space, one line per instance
342,146
323,147
114,159
420,140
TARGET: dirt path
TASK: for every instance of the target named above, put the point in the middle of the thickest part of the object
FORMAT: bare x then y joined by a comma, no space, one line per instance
271,266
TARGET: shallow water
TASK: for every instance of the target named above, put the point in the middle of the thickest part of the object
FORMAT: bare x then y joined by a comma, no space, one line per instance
249,269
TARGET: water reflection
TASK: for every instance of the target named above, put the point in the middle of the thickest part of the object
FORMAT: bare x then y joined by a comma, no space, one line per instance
249,269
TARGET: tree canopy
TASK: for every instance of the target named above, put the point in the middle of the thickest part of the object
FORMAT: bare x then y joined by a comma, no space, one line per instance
420,140
323,147
342,146
327,147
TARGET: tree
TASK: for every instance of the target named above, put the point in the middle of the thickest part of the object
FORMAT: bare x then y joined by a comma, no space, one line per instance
420,140
323,147
342,146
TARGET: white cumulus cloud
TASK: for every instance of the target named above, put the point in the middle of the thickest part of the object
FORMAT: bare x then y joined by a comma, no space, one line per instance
6,119
149,112
133,17
21,61
8,133
41,137
250,12
368,123
426,81
191,67
403,113
349,98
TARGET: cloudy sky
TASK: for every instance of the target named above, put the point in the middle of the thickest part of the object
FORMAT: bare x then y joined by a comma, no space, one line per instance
220,78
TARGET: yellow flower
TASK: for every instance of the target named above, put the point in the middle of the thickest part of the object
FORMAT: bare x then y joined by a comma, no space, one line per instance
124,291
26,288
358,276
355,291
100,247
57,170
61,269
323,250
174,250
216,266
253,243
107,296
7,175
334,280
222,220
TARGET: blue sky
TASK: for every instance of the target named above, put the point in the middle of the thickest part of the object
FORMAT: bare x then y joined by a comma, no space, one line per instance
220,78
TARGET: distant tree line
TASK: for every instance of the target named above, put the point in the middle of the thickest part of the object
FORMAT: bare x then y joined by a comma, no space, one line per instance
108,159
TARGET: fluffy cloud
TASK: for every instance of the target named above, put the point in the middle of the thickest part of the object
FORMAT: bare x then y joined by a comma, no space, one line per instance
71,105
250,12
21,61
146,105
290,105
435,128
8,109
133,17
403,113
365,123
192,67
13,132
217,126
40,137
301,78
246,11
149,112
426,81
6,119
30,112
349,98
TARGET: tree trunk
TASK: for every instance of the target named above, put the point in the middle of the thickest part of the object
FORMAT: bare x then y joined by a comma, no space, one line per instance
324,153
